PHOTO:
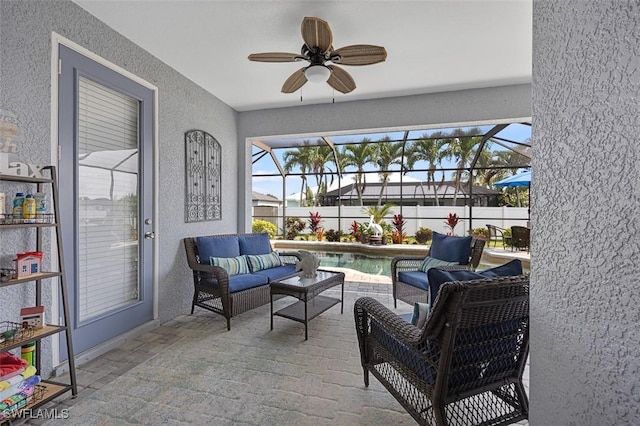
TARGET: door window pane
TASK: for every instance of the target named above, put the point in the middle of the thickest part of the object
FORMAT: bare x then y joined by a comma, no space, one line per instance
108,199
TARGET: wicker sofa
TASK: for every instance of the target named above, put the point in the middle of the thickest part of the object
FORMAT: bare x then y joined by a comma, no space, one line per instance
411,285
222,282
465,365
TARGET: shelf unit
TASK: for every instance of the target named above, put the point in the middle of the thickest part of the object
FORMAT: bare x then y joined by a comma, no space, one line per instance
50,389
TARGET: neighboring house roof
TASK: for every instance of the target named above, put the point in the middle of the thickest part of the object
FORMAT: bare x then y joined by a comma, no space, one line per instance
257,196
410,190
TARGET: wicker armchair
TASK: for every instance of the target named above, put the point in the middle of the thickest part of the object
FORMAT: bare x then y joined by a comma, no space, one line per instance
211,285
465,365
411,294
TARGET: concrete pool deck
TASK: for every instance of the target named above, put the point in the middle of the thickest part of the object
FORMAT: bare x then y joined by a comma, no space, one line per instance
491,256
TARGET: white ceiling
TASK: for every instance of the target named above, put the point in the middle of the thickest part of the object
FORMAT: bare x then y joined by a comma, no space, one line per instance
432,45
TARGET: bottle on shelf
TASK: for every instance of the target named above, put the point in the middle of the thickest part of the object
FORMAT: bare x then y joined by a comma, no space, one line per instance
18,201
29,209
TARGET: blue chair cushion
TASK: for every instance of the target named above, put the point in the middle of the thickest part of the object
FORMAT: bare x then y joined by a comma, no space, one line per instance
415,278
437,277
217,247
245,281
276,273
450,248
255,244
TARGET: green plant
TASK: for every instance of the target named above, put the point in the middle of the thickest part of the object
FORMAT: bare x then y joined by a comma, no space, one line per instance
506,233
482,233
423,235
332,235
258,226
294,225
378,212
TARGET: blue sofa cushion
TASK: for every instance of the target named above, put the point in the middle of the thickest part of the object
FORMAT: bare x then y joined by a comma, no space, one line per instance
233,265
245,281
255,244
437,277
509,269
450,248
277,273
414,278
217,247
258,262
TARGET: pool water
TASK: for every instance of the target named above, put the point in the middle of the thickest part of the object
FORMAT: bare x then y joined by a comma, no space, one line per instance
375,265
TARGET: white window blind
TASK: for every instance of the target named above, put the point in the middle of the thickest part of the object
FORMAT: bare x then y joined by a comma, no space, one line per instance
108,199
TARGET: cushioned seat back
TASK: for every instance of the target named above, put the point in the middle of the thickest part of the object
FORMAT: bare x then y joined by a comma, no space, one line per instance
254,243
216,246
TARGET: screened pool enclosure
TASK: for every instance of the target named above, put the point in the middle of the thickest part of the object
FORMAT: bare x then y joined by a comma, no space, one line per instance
421,174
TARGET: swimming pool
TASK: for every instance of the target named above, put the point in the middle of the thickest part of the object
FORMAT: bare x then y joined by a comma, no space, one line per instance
368,264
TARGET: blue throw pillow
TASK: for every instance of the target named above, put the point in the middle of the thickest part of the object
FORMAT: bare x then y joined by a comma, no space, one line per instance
217,247
255,244
450,248
509,269
431,262
437,277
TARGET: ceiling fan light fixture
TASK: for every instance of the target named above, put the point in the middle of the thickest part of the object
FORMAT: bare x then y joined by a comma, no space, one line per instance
317,73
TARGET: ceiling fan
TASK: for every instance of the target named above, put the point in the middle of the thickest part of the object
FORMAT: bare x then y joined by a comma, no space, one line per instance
318,51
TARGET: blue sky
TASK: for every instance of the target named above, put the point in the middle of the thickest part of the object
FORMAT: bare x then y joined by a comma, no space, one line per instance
273,184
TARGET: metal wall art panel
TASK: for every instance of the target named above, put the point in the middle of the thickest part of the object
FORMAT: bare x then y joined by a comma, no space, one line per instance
203,169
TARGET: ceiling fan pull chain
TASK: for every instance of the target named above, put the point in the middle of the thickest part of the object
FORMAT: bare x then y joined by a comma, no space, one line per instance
301,95
334,96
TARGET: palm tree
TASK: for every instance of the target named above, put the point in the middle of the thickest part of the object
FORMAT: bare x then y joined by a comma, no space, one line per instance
358,155
319,161
462,149
299,157
510,158
386,154
429,150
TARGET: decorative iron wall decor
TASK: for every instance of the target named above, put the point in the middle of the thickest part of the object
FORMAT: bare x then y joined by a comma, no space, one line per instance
202,164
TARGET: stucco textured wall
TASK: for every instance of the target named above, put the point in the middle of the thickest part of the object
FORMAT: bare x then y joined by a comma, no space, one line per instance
585,339
25,81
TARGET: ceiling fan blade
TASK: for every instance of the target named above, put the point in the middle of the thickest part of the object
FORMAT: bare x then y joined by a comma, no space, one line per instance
294,82
340,80
316,33
275,57
359,54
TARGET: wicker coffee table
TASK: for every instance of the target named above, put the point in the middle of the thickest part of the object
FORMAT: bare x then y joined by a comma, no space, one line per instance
307,290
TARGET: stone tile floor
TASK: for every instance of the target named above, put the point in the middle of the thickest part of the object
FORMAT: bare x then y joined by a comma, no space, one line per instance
102,371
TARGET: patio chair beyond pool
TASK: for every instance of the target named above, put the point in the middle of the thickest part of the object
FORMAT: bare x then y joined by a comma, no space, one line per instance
495,235
465,365
520,236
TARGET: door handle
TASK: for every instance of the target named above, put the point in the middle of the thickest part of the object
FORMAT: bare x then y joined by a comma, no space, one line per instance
149,235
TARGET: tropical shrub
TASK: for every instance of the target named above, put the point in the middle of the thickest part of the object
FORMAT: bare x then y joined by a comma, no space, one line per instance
319,233
482,233
314,221
294,226
398,235
451,222
259,226
356,230
333,236
424,235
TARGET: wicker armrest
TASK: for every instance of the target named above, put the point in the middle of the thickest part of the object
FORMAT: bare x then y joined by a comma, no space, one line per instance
405,263
217,273
405,332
